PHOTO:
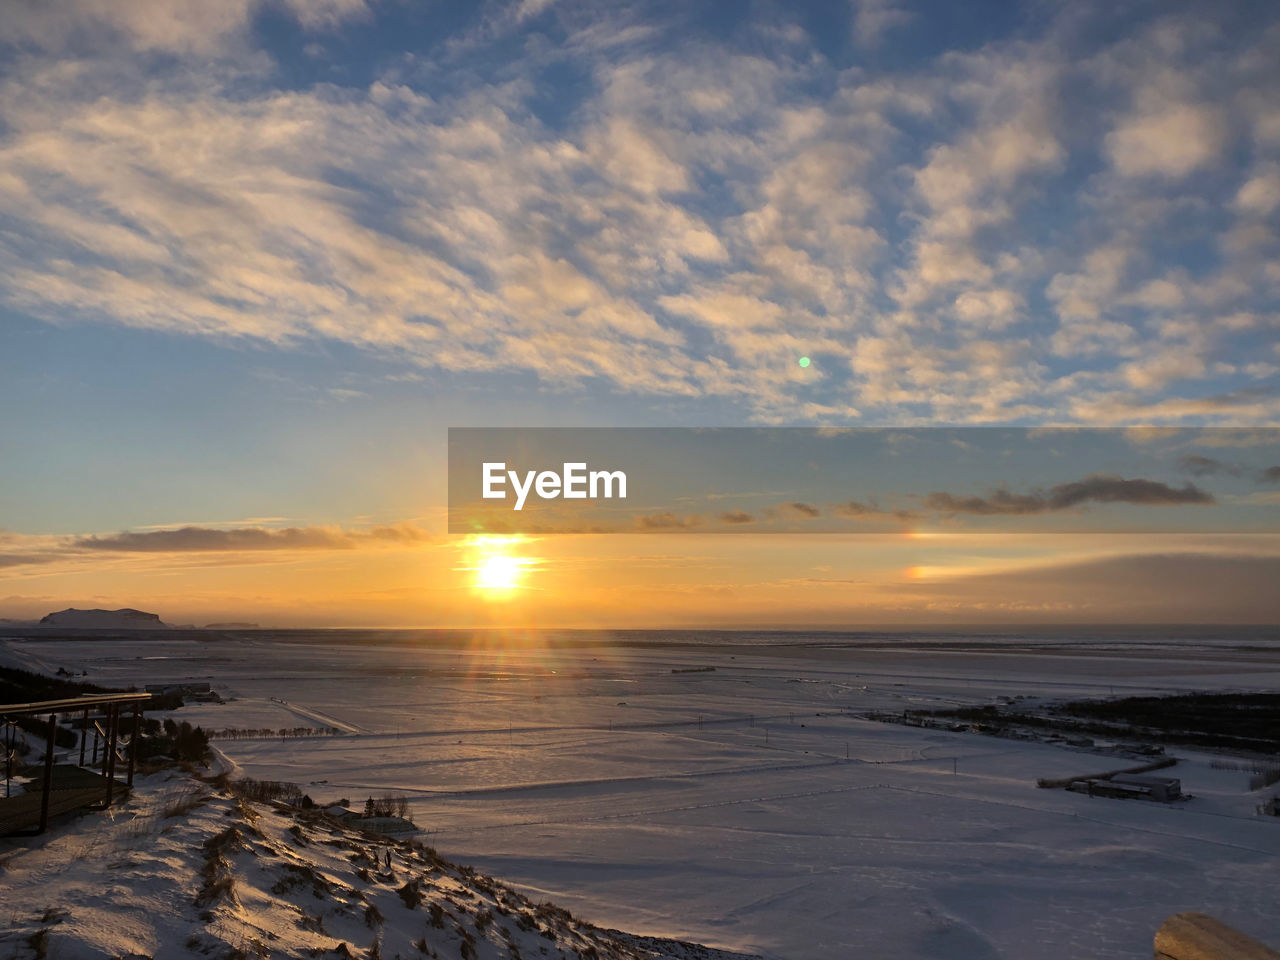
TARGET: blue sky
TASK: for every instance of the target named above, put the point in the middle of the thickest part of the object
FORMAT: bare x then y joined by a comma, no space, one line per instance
257,255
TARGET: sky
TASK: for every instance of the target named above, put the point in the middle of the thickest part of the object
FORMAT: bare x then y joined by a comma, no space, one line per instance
257,256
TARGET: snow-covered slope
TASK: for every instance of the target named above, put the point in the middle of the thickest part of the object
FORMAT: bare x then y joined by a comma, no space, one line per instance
184,869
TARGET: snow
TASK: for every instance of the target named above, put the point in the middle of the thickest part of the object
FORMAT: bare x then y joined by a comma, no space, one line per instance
154,878
750,808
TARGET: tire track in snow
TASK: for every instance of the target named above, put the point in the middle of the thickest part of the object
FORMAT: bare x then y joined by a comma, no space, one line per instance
308,714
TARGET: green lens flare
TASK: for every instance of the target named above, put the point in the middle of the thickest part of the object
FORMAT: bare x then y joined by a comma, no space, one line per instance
804,361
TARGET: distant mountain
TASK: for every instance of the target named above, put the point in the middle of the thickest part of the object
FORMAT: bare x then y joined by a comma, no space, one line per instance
231,625
126,619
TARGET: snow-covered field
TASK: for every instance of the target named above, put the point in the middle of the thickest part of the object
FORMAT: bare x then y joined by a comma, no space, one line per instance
185,869
748,807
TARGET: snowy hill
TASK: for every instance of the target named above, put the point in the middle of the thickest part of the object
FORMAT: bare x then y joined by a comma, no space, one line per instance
124,619
186,869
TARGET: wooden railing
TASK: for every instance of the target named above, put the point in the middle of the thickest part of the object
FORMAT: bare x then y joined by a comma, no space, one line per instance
1195,936
110,732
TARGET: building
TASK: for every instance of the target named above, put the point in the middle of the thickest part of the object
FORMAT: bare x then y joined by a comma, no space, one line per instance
1129,785
1163,789
389,825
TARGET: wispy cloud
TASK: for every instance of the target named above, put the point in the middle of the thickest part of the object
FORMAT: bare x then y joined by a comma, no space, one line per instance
668,521
802,511
1201,466
1098,488
230,544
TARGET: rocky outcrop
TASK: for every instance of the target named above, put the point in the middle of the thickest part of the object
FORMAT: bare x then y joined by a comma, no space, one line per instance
125,619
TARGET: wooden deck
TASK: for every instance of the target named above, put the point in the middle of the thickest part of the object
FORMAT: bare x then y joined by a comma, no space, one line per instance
74,788
71,787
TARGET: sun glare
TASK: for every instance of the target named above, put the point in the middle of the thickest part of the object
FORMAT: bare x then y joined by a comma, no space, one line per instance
496,571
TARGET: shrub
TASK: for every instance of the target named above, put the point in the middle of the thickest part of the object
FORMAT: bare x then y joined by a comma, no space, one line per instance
38,727
263,791
182,800
411,894
24,686
302,875
181,741
388,806
39,943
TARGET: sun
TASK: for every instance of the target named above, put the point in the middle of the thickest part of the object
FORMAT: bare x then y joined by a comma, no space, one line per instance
498,572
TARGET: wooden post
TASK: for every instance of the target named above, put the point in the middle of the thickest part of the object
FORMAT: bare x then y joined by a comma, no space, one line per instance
47,786
133,742
113,728
84,734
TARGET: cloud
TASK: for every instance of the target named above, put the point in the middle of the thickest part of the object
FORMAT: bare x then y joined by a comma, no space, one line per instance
802,511
1271,475
209,539
170,548
872,19
532,8
690,217
856,510
20,559
736,517
171,26
1097,488
1104,488
1166,139
853,509
404,532
1201,466
994,309
1247,406
668,521
1260,194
